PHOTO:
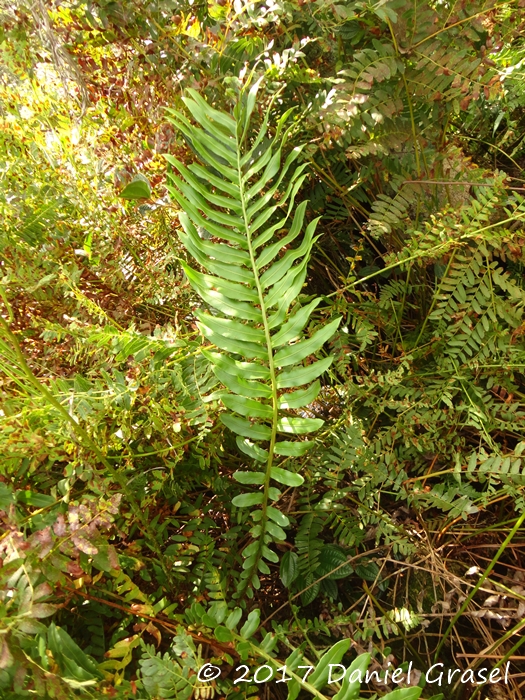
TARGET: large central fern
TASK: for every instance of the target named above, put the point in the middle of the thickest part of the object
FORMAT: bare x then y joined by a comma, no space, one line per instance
233,195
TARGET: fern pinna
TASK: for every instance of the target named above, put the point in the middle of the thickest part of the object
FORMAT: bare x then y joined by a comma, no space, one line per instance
252,289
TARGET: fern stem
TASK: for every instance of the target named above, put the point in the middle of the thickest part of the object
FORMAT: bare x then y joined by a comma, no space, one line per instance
271,366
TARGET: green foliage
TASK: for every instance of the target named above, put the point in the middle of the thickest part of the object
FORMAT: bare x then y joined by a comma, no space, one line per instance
165,502
163,677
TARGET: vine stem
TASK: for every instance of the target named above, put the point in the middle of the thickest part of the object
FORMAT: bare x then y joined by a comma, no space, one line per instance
458,23
426,253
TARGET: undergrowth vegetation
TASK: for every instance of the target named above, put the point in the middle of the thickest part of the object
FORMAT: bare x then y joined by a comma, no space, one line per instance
262,395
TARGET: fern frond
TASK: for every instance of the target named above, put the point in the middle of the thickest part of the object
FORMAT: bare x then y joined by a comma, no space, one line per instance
163,676
390,212
237,195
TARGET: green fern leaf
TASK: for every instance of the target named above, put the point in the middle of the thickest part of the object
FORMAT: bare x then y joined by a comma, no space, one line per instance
251,281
